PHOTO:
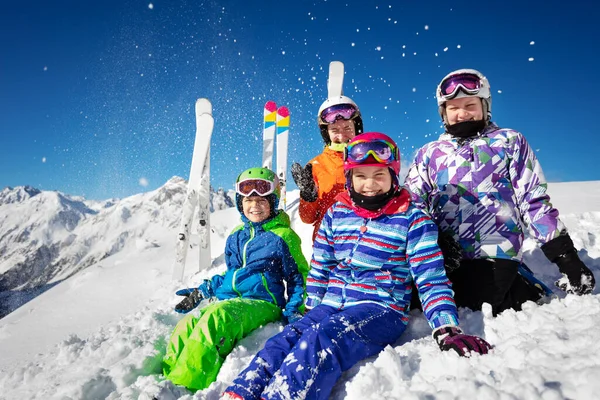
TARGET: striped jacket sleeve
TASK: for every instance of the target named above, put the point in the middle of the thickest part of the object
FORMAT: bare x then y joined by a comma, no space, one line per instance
322,263
427,269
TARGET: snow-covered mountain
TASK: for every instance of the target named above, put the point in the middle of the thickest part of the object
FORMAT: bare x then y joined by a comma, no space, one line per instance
47,236
100,334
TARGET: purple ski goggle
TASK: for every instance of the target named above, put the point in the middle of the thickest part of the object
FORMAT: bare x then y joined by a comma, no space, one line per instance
338,111
381,150
468,83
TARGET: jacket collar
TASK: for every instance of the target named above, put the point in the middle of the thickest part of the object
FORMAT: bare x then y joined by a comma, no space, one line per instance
489,128
333,153
281,218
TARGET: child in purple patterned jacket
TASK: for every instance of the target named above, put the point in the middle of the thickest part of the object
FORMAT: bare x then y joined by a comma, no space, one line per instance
372,244
482,184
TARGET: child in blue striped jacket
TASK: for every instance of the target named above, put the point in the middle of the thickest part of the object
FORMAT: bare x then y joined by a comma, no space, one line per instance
372,244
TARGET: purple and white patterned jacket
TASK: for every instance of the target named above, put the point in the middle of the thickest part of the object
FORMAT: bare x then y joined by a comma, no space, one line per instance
484,191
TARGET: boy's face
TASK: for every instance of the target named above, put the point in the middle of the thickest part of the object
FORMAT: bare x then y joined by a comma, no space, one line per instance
371,181
341,131
256,208
464,109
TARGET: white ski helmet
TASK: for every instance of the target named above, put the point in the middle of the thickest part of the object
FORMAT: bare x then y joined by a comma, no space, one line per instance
484,93
333,101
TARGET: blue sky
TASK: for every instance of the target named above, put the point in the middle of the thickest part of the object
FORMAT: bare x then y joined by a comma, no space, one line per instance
97,97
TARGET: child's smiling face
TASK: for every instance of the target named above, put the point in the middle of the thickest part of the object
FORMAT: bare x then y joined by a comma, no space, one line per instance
371,181
256,208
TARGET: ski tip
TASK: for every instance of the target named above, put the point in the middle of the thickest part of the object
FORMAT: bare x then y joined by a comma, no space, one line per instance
203,106
283,111
336,65
270,106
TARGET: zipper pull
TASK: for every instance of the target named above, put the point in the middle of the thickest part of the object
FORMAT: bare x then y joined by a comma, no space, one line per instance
363,228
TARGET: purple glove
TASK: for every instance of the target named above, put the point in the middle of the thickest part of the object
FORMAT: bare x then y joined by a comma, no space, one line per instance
452,337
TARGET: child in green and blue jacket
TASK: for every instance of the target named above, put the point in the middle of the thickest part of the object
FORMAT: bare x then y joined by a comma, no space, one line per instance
261,255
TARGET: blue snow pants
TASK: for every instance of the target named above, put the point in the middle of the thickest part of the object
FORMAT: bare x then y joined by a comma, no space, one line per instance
307,358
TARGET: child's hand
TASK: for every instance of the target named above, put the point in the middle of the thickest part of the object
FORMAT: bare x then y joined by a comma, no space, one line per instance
192,298
452,337
291,317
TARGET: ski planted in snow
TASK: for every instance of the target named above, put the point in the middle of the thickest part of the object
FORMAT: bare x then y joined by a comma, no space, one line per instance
283,130
270,121
204,257
198,192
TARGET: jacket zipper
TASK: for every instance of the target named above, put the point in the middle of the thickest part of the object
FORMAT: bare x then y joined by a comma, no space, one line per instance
264,280
362,232
243,260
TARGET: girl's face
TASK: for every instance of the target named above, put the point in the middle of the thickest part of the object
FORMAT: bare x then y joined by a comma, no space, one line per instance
464,109
256,208
371,181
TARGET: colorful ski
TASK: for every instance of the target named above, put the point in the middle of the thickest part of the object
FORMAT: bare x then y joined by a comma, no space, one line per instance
199,179
283,130
270,115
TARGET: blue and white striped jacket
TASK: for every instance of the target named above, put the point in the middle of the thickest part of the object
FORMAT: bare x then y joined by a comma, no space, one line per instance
360,260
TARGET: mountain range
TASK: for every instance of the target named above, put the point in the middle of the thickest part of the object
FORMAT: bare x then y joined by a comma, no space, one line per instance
48,236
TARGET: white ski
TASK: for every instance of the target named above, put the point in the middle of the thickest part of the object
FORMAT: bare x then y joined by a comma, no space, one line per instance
270,115
335,83
204,258
283,130
199,178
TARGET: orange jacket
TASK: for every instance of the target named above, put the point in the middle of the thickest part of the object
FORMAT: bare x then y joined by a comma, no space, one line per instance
328,173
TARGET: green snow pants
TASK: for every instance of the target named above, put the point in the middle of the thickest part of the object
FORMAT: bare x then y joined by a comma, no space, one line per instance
199,344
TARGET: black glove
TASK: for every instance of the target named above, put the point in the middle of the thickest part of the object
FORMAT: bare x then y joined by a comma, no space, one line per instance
305,182
577,278
192,298
451,250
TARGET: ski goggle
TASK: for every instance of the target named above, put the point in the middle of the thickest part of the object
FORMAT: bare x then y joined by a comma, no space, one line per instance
260,187
467,82
338,111
381,150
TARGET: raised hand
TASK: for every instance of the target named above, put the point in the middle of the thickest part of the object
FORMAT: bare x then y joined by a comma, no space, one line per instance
305,182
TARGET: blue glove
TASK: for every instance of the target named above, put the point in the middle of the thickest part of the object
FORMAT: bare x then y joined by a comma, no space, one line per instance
291,316
192,298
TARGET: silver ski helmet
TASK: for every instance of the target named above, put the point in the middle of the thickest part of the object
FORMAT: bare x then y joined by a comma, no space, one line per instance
338,101
451,87
248,183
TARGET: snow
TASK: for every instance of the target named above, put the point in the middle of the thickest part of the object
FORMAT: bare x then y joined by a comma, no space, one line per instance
101,333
